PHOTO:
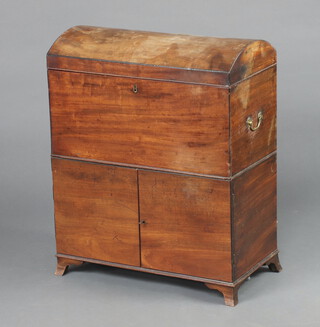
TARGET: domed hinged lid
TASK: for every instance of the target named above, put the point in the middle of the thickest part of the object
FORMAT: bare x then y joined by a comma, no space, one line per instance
198,59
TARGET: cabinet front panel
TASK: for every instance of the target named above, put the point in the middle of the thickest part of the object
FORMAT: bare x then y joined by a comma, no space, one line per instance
186,225
150,123
96,211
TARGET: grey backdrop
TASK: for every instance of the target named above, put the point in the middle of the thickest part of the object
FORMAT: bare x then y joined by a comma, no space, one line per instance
30,295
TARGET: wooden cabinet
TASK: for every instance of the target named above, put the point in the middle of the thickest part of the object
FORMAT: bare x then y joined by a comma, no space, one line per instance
164,154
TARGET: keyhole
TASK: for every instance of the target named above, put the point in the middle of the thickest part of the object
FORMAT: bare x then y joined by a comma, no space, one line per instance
135,88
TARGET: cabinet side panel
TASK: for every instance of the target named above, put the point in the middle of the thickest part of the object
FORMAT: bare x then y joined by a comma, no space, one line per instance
187,225
96,211
254,215
247,99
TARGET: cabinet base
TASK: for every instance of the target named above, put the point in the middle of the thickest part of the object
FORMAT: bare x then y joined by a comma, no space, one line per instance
228,289
64,263
230,293
274,264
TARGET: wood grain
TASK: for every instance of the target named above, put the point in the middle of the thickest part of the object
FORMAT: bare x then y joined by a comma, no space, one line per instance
218,79
230,293
152,48
257,56
254,215
274,264
187,227
246,99
172,126
198,197
64,263
238,58
96,211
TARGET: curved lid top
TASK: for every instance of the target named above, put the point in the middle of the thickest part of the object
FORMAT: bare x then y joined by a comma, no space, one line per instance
237,57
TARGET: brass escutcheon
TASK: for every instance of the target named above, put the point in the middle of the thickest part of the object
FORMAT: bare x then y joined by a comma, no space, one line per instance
250,121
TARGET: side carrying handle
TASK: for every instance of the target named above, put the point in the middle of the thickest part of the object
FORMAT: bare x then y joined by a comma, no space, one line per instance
250,121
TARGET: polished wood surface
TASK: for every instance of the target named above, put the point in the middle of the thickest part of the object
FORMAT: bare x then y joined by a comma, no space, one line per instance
175,275
155,168
166,125
274,264
96,211
160,73
149,48
254,210
248,98
238,58
257,56
64,263
186,225
230,293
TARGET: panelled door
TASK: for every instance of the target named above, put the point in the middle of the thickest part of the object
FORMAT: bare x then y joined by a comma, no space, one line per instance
185,225
96,211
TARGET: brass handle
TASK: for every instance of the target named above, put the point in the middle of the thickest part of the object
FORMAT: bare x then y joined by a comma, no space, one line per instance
135,88
250,121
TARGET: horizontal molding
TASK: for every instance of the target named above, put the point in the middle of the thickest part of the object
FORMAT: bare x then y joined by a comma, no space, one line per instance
164,170
255,267
132,166
142,269
133,70
140,64
252,75
171,274
218,79
273,153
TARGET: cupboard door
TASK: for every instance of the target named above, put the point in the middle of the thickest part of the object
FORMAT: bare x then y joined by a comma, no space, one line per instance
186,225
96,211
